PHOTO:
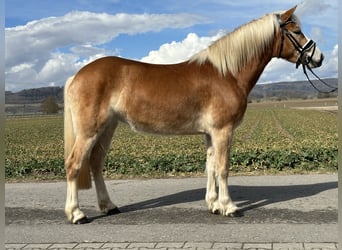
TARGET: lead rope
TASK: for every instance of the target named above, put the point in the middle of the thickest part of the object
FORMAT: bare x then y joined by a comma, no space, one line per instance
333,89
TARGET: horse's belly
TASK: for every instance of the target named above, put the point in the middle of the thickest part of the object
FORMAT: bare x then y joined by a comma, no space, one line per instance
159,124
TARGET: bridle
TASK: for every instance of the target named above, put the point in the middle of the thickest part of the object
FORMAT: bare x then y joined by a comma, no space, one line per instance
302,50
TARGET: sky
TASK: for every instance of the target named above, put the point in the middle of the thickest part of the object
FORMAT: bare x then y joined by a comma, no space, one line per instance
46,41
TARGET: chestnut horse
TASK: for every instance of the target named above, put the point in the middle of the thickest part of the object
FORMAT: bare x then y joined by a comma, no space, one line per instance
206,94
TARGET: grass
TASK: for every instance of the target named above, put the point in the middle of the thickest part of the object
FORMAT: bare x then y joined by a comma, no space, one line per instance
270,140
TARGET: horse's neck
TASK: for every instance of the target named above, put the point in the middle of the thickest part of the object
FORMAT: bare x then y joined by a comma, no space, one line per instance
249,75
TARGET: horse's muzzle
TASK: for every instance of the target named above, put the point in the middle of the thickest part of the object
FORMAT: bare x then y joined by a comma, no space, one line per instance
316,64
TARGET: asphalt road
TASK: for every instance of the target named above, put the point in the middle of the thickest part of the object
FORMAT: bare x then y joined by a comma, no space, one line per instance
300,208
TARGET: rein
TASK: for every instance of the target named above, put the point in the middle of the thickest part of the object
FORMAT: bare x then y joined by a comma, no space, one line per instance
301,59
333,89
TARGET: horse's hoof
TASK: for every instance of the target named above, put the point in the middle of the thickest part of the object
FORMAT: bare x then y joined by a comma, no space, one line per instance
237,213
216,211
113,211
81,221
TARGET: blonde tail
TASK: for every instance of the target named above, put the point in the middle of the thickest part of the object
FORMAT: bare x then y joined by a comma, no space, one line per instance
84,178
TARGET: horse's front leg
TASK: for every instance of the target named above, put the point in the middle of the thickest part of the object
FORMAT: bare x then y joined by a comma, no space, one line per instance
221,141
97,160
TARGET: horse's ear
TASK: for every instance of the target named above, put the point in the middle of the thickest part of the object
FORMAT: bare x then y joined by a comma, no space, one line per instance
287,14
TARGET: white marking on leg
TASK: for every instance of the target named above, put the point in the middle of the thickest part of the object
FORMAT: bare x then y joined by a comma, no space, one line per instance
72,209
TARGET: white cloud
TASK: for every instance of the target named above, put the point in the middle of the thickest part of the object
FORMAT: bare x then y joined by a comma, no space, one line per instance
58,65
175,52
46,50
20,67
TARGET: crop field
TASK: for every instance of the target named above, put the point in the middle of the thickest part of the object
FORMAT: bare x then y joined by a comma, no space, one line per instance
269,141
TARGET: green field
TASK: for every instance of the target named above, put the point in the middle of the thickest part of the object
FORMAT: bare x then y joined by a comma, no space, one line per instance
270,140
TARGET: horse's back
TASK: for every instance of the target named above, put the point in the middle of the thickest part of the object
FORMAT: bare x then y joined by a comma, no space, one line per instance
113,73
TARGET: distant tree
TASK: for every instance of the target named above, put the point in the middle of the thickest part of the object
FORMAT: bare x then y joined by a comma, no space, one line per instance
49,105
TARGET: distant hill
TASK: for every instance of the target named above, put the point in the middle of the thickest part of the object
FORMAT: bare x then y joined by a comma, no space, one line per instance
291,90
34,96
272,91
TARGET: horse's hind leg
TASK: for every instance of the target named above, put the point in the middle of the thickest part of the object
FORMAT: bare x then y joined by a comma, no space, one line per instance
78,157
97,160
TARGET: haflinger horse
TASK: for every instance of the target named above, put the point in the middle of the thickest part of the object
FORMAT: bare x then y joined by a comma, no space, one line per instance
206,94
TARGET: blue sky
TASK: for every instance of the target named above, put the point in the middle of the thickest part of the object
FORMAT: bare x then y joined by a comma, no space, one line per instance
47,41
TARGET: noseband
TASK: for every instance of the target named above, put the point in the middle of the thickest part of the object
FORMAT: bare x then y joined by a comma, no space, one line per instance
301,49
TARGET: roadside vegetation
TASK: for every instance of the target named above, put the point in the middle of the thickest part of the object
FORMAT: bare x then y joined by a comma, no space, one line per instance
269,141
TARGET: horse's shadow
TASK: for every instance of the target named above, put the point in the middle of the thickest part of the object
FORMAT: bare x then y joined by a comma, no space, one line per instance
246,197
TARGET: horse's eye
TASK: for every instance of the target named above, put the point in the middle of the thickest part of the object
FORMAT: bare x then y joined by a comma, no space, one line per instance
297,32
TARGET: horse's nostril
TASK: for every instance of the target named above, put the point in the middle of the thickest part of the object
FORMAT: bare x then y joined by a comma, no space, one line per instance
319,63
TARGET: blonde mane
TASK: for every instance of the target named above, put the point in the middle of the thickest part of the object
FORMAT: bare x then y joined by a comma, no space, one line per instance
236,49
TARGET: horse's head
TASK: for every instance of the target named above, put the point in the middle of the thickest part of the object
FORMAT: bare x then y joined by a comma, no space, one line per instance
293,45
